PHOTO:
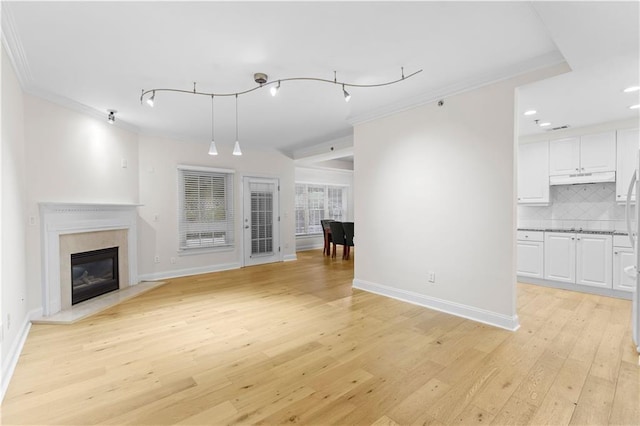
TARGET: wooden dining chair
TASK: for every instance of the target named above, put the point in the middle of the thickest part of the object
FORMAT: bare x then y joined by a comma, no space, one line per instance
337,236
348,239
326,231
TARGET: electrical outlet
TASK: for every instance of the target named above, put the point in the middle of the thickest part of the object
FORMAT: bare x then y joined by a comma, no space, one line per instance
173,260
32,220
123,163
432,277
156,259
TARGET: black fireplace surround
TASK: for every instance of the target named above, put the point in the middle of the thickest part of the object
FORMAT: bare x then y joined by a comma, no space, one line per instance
93,273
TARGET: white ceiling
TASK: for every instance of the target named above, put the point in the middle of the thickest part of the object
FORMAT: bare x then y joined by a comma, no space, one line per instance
601,43
99,55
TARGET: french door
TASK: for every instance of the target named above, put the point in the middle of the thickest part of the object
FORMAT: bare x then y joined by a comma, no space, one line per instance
261,221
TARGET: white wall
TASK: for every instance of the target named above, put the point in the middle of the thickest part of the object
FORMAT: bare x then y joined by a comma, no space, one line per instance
436,192
14,317
159,196
329,177
72,157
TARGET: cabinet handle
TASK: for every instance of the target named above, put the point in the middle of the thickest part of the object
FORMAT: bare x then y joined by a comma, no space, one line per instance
619,196
578,239
526,236
615,252
572,238
577,169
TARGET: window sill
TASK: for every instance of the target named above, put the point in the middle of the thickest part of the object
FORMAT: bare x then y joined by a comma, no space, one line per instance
300,236
204,250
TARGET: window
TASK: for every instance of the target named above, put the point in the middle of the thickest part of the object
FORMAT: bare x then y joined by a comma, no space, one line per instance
206,207
315,202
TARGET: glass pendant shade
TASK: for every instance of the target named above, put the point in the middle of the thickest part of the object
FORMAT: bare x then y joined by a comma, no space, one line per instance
236,149
212,148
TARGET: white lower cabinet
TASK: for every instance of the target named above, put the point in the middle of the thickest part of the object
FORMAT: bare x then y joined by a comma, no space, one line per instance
622,257
560,256
584,259
530,254
593,260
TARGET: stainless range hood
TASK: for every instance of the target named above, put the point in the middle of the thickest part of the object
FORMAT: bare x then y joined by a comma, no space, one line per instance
579,178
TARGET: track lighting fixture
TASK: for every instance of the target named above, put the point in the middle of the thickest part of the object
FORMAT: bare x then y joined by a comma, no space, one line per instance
111,118
274,89
236,147
152,99
212,147
261,80
347,96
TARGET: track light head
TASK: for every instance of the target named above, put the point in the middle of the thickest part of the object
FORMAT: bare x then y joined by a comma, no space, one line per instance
274,89
151,100
347,96
111,118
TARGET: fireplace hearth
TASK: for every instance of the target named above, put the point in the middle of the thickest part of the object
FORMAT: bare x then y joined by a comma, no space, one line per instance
93,273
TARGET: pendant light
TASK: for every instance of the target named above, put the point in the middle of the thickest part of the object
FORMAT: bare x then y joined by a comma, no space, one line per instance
236,147
212,147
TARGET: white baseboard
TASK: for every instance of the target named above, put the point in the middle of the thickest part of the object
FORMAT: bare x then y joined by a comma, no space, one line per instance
620,294
187,272
9,364
290,257
510,323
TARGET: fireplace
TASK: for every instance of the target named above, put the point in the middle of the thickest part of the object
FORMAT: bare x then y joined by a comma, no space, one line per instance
93,273
76,228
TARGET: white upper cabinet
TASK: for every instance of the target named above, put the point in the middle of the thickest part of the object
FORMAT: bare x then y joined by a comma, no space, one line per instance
584,154
533,173
598,152
628,144
564,156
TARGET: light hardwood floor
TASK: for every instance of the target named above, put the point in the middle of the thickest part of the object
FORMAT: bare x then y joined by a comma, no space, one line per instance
293,343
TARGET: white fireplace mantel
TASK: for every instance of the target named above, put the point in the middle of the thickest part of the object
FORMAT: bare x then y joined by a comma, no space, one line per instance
69,218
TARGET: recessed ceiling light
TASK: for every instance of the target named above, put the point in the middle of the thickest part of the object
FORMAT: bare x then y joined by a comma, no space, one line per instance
636,106
631,89
545,124
530,112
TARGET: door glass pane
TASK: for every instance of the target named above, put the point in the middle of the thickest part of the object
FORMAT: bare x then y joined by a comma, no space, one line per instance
261,218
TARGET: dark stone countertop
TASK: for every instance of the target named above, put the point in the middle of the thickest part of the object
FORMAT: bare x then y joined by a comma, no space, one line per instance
581,231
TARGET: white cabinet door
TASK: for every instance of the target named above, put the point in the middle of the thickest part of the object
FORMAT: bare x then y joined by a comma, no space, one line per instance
622,257
598,152
593,260
560,256
533,173
564,156
628,143
530,258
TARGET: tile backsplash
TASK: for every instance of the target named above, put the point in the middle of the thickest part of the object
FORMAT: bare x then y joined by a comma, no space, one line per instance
590,206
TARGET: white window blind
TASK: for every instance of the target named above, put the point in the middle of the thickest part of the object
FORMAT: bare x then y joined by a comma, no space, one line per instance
315,202
206,217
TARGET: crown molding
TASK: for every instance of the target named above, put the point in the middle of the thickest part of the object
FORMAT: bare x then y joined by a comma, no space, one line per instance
78,107
539,62
13,46
327,149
